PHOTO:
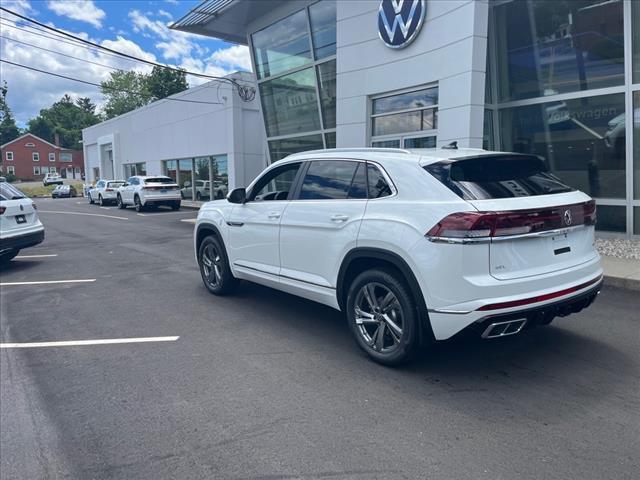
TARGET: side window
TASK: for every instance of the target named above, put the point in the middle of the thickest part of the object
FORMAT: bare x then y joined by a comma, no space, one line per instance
276,184
100,184
332,180
378,186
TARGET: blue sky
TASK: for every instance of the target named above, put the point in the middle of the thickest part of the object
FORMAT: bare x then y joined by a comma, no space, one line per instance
137,27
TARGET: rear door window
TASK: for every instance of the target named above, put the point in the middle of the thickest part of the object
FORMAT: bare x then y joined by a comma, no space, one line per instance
497,176
378,185
332,180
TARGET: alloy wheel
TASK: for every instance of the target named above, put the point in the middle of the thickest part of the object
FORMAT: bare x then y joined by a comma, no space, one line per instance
379,317
212,265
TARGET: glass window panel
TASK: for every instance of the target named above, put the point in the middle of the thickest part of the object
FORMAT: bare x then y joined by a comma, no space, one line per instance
420,142
405,101
550,47
169,170
328,180
386,143
323,28
582,140
378,186
282,46
141,168
220,177
636,221
290,104
330,139
429,119
359,185
635,29
487,136
636,145
327,85
397,123
611,219
276,184
287,146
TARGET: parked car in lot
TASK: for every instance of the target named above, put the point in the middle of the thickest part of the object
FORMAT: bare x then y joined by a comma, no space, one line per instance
413,246
105,192
203,190
64,191
144,191
52,179
20,226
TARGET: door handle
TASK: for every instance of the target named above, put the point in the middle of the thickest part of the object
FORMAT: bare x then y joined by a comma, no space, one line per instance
339,218
273,215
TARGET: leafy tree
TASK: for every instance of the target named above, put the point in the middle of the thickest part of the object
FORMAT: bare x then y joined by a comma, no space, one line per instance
8,128
124,91
163,82
65,118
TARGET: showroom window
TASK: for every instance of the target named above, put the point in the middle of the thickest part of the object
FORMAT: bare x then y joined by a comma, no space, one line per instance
202,178
635,28
131,169
405,120
544,48
296,69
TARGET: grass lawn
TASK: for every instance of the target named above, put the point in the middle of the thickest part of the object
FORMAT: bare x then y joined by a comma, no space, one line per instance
39,190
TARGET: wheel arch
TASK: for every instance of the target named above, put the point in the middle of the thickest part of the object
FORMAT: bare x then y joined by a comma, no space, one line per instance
204,230
363,258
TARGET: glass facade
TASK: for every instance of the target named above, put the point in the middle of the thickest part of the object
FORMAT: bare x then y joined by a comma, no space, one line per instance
296,69
556,87
131,169
200,178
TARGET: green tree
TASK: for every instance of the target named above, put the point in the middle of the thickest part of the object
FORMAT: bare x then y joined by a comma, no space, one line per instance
8,128
124,91
162,82
65,118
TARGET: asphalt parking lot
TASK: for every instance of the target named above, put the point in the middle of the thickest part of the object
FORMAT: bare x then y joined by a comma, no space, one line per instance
263,385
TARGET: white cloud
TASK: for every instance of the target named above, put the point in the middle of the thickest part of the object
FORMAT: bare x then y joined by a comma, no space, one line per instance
234,57
81,10
22,7
173,2
145,25
166,14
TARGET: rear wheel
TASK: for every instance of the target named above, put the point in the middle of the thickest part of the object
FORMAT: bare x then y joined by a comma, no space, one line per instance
198,197
138,204
175,205
90,199
8,255
214,267
101,200
121,205
382,316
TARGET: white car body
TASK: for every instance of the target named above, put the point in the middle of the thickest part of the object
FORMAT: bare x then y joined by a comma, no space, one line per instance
143,191
304,246
20,226
52,179
105,191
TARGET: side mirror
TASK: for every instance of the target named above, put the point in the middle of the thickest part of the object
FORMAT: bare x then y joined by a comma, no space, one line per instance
237,195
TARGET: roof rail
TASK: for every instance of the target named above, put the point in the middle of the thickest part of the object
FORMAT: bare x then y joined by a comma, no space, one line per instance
355,150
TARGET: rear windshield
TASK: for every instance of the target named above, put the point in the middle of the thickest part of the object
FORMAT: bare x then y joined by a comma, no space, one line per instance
500,176
9,192
164,180
114,184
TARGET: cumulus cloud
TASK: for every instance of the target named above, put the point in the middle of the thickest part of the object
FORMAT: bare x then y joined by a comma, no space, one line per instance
83,11
235,57
22,7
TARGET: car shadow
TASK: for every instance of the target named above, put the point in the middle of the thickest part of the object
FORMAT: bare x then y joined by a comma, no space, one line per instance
19,265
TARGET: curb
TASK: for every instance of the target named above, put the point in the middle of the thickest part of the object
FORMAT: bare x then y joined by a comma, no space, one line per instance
621,282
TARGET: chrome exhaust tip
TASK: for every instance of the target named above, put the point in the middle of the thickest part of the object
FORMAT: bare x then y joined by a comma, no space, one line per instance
504,329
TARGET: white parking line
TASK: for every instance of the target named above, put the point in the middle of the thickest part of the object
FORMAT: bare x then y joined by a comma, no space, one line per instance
77,343
47,282
37,256
163,213
105,208
189,220
88,214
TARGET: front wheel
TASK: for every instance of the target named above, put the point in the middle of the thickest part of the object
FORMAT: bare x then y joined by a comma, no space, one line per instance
382,316
138,203
101,201
120,203
90,199
214,267
8,255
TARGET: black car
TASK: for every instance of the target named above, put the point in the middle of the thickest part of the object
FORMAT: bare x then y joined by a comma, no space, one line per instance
62,191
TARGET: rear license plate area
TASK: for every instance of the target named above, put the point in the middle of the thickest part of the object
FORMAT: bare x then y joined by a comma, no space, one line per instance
21,219
560,244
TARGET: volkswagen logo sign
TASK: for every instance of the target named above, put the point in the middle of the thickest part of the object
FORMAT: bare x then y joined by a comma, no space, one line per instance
399,21
567,218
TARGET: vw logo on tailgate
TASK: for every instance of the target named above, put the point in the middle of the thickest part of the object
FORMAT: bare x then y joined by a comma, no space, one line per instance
399,21
568,220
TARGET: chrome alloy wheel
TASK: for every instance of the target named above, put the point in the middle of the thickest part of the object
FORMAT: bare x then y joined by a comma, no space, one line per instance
379,317
212,265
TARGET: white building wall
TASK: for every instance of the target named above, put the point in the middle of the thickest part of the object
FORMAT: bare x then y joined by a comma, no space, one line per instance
169,129
450,51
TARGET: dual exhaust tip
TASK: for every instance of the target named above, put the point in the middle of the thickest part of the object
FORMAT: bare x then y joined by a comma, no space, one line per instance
504,329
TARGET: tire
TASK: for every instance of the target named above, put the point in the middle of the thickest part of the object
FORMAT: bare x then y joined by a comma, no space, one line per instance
198,197
138,204
7,255
219,195
369,293
101,200
175,206
120,203
91,202
218,281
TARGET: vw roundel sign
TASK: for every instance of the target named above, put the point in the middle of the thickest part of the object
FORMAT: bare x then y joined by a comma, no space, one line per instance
399,21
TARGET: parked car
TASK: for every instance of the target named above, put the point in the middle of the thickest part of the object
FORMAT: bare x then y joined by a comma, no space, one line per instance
413,246
20,226
52,179
105,192
203,190
144,191
64,191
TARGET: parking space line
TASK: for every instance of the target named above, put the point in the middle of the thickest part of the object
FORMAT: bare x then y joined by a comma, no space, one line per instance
37,256
78,343
47,282
105,208
189,220
88,214
163,213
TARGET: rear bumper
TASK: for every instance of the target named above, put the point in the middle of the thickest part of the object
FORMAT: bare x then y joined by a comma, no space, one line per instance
160,199
22,241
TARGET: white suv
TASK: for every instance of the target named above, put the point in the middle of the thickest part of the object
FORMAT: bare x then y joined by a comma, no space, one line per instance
20,226
104,192
155,190
413,245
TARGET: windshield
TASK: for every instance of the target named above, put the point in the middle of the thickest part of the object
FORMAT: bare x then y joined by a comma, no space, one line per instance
499,176
164,180
9,192
114,184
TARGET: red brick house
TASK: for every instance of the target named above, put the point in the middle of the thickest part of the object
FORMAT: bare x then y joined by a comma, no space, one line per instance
29,158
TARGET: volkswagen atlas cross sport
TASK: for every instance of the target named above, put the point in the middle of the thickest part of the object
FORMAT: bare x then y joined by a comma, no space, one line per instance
20,226
144,191
413,246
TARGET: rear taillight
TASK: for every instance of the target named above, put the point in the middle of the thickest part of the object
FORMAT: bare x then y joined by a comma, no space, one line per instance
472,225
2,210
108,189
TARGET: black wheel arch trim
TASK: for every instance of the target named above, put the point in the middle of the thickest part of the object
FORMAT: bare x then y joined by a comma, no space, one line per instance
209,226
424,324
